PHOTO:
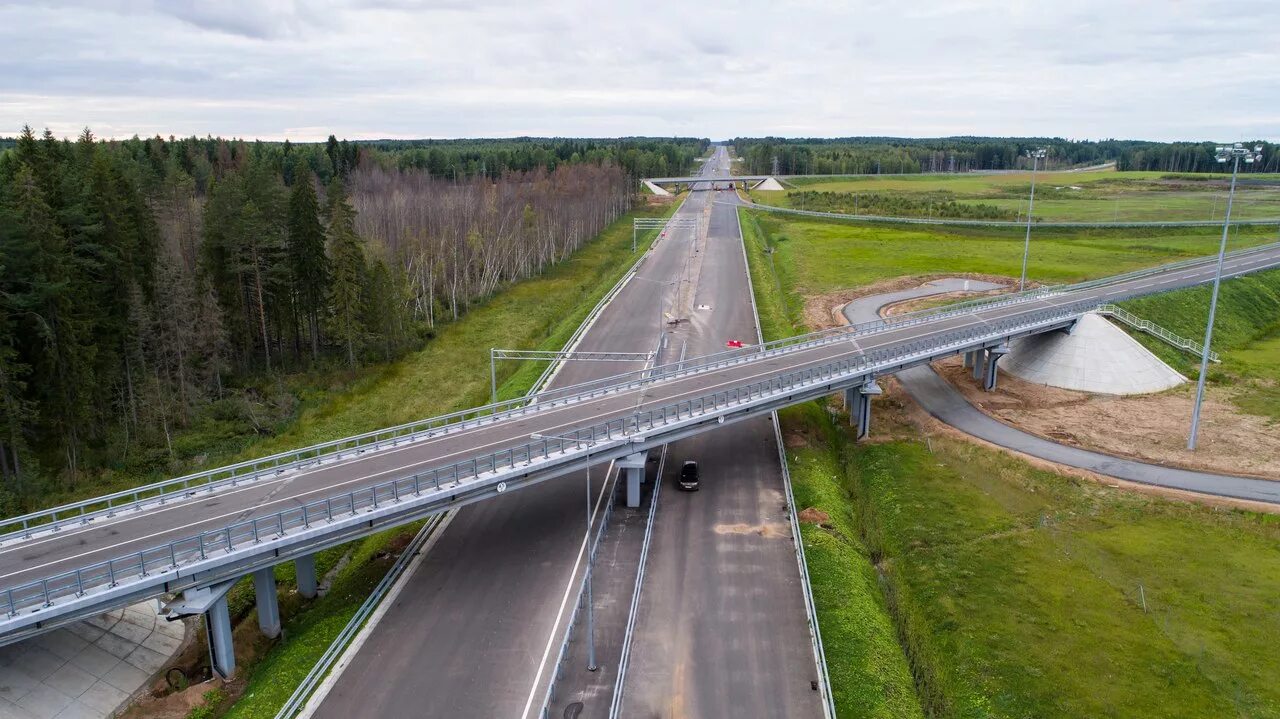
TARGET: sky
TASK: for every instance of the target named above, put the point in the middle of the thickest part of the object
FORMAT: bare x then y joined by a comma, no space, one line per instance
366,69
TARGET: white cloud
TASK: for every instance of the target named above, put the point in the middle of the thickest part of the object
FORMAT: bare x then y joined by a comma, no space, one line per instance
418,68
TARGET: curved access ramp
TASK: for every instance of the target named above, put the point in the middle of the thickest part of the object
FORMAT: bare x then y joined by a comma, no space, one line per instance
948,405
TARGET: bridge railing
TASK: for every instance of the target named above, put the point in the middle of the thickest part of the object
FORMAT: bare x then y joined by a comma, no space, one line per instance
446,480
158,493
1156,330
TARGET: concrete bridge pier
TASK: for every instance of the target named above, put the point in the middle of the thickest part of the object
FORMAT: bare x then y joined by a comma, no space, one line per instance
968,359
212,603
858,400
217,623
979,362
305,569
633,465
264,590
993,355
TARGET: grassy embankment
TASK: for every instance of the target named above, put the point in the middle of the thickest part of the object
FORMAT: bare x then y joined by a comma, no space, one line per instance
955,581
1246,335
1086,196
450,373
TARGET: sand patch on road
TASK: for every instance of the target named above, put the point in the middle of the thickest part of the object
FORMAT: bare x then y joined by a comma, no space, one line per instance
768,529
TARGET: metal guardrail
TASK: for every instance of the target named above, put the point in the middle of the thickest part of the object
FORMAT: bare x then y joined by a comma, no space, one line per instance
251,470
298,699
442,481
1155,330
891,219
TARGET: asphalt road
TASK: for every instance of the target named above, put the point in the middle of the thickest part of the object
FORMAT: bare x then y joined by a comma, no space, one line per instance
721,629
476,629
629,324
945,402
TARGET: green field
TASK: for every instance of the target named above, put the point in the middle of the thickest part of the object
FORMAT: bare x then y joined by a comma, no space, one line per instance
956,581
451,372
817,256
1098,196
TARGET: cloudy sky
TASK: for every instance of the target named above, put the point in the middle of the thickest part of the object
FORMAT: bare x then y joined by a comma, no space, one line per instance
1163,69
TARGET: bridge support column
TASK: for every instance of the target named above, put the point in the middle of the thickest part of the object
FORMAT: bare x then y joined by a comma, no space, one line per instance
862,404
264,590
305,569
217,624
979,362
633,466
968,360
989,376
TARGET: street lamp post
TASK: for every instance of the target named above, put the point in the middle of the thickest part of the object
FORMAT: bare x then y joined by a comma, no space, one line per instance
1035,156
1235,153
591,629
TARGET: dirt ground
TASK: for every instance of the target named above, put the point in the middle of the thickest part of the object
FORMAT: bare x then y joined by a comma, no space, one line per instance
1151,428
825,310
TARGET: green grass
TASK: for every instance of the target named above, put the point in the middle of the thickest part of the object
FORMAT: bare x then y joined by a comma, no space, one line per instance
1018,590
1085,197
450,373
1246,335
956,581
813,256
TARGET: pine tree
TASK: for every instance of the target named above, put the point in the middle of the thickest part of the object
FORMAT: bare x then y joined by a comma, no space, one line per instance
307,260
346,257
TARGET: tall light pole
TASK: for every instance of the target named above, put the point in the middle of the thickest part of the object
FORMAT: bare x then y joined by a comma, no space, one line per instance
591,620
1035,156
1235,153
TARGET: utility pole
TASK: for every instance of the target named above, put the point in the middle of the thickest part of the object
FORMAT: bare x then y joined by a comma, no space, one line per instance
1235,153
1035,156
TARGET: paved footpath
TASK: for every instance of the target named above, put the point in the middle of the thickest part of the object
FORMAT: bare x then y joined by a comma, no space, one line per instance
946,403
87,670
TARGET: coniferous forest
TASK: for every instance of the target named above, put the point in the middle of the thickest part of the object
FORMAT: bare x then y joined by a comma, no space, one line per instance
148,284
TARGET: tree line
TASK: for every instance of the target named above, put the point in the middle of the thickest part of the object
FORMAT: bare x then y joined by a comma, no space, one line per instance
889,155
149,284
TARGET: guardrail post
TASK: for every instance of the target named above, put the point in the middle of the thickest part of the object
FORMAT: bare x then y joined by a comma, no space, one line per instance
264,591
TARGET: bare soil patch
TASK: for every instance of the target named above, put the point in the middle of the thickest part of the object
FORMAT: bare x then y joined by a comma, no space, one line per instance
1152,428
810,515
823,311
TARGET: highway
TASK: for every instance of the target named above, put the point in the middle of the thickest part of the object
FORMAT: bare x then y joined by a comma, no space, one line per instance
721,629
486,609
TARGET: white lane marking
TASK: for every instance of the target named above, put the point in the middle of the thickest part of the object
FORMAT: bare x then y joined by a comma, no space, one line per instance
568,589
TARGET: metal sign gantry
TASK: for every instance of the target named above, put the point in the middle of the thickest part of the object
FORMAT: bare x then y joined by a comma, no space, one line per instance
660,223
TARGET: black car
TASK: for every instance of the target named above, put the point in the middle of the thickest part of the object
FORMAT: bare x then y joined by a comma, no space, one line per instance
689,476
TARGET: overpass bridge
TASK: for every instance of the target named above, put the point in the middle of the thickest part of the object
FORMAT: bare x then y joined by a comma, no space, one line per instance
706,179
195,536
